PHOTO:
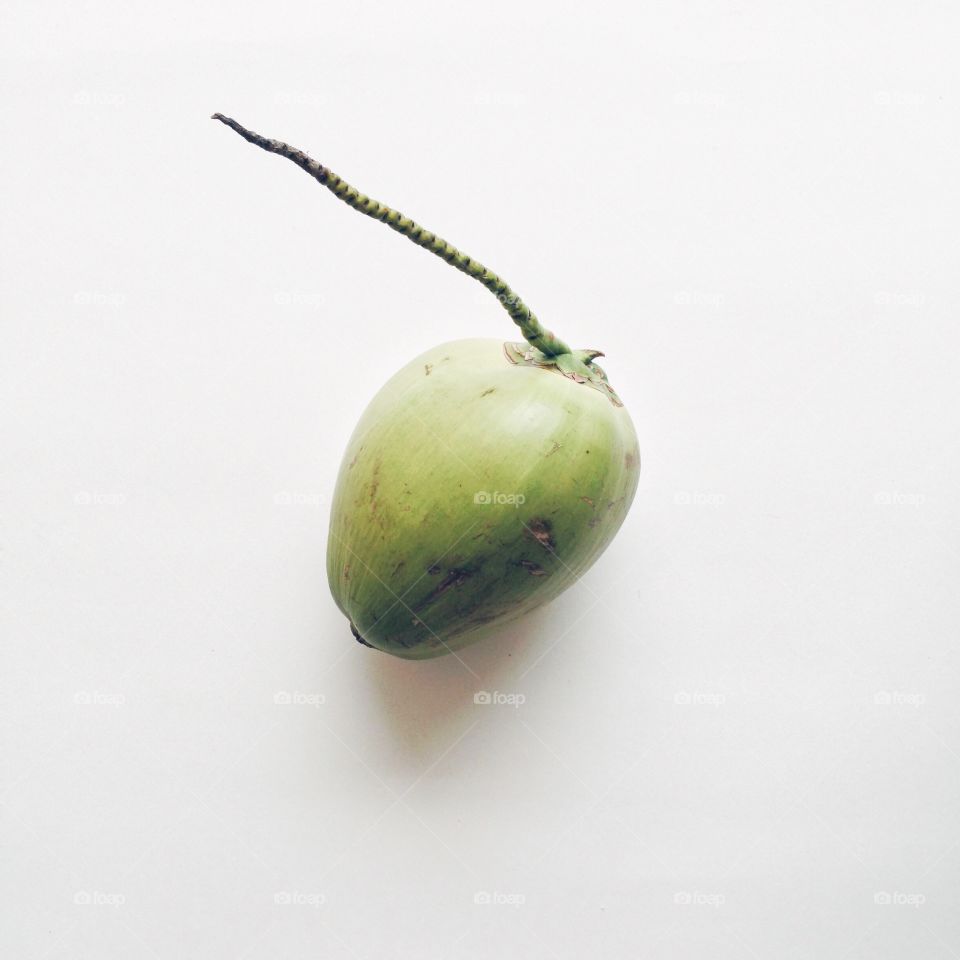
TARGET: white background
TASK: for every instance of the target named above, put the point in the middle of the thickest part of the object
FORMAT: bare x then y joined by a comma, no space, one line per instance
740,733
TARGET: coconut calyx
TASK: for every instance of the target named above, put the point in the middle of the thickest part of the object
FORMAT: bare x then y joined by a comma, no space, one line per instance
577,366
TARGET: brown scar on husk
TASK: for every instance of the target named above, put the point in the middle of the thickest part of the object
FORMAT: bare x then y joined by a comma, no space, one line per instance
486,393
374,486
630,460
451,581
427,367
587,500
534,569
540,530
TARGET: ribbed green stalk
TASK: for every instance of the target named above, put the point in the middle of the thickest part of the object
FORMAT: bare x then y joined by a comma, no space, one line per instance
535,334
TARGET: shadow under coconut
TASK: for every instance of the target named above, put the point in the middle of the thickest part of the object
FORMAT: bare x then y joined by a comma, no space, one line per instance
427,704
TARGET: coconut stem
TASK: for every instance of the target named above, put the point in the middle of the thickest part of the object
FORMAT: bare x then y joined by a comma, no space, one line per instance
531,328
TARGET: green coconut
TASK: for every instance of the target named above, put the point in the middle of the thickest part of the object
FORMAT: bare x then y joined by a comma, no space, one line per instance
482,481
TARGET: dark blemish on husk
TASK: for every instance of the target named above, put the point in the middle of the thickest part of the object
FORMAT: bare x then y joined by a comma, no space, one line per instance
540,529
374,486
360,639
630,460
427,367
353,461
451,581
587,500
399,567
483,618
434,570
556,447
346,571
534,569
486,393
